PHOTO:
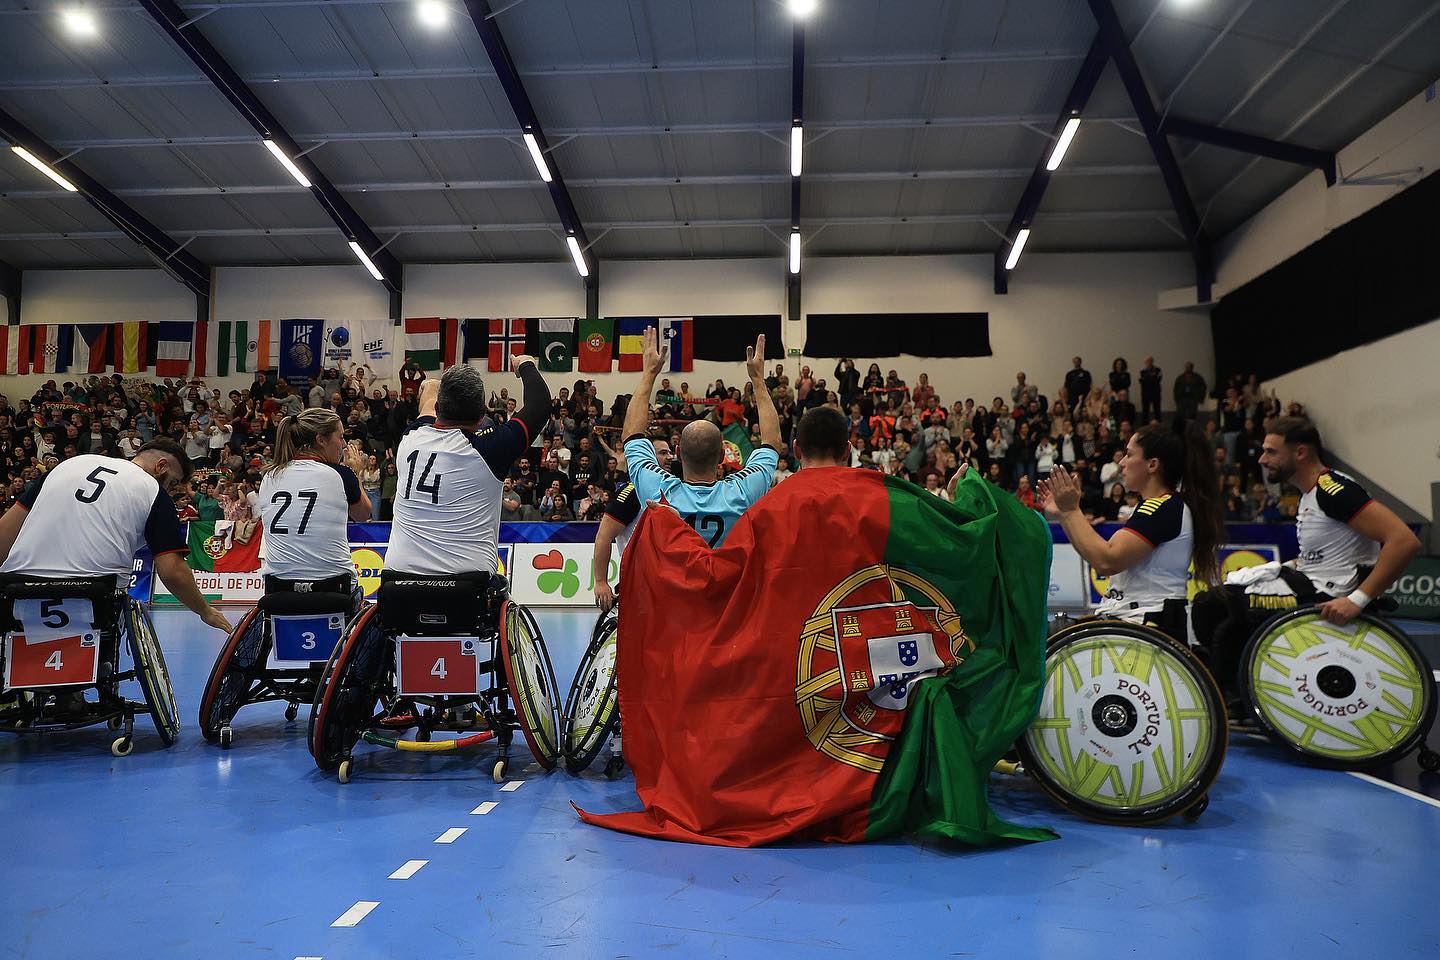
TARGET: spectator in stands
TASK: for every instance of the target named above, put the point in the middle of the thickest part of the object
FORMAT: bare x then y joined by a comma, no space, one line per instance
1119,376
1077,380
1150,382
1189,392
847,382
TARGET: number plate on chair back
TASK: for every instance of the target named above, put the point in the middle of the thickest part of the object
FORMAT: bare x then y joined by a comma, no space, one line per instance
437,666
305,639
56,646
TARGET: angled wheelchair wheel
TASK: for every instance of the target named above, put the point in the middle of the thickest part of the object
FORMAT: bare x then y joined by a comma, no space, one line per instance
350,690
1131,728
1349,697
592,708
532,682
241,659
152,673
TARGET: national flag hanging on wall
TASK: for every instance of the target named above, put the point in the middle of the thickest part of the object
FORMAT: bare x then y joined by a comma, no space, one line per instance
870,697
595,344
17,349
173,339
214,548
233,346
301,348
507,339
556,344
432,341
630,332
131,346
678,333
10,348
50,347
201,348
90,352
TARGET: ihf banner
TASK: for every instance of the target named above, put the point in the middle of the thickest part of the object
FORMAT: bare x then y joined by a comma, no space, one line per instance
368,342
300,349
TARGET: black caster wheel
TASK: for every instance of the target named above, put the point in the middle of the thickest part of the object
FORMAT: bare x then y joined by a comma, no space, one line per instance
497,773
346,767
291,712
1429,760
122,746
614,767
227,736
1197,808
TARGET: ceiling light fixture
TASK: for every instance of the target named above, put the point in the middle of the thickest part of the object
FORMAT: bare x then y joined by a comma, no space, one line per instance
433,13
287,163
795,251
578,256
36,162
797,148
1063,144
1016,247
80,23
533,146
365,259
802,8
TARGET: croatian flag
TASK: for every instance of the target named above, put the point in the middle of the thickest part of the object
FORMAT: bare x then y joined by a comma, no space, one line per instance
678,334
507,339
172,349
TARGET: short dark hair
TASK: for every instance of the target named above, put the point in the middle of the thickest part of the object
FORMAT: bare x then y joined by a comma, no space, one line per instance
172,450
462,395
1298,430
824,433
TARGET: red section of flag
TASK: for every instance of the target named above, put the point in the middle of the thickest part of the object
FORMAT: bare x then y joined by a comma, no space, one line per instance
708,654
449,342
202,337
22,360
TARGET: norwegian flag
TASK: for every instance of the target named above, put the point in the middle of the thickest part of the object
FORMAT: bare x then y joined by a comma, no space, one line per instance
507,339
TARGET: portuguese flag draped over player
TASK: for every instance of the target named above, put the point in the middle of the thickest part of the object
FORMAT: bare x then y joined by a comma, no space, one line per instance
214,547
849,665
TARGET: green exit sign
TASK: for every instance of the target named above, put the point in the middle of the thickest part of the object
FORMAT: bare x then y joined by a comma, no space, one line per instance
794,351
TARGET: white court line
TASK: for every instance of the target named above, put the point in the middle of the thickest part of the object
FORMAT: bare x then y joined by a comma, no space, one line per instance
451,835
1395,787
1437,675
408,870
485,807
309,958
512,786
356,913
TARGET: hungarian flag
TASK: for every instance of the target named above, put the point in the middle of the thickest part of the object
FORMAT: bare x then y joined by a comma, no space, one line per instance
849,665
556,345
213,547
507,339
431,341
631,334
595,344
736,438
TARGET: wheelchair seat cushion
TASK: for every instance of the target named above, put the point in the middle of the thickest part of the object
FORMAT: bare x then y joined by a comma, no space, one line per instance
455,605
101,591
299,604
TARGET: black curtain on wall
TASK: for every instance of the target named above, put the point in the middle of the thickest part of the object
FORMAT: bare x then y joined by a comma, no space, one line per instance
725,338
1373,277
866,335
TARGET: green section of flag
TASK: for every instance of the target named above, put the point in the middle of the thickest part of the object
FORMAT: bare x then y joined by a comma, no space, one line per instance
737,445
197,533
557,345
958,725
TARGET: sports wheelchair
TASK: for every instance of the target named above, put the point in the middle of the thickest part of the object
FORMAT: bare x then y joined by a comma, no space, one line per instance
1131,728
62,638
277,652
1352,698
414,659
591,717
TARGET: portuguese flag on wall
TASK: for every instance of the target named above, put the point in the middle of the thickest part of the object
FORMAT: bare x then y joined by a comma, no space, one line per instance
850,663
214,547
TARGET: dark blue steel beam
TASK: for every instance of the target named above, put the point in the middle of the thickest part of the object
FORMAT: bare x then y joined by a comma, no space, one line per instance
1118,47
484,19
169,255
1084,85
10,290
1322,160
187,36
797,119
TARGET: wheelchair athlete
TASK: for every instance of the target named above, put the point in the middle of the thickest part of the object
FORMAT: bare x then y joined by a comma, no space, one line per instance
84,521
1124,689
306,497
1292,643
440,583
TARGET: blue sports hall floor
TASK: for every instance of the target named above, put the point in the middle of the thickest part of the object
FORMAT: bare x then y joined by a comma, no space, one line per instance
195,852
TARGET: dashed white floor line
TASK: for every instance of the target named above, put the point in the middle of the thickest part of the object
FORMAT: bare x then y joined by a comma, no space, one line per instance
356,913
1396,788
512,786
309,958
451,835
408,870
485,807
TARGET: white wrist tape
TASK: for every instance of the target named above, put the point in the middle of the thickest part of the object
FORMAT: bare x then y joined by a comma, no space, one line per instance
1359,598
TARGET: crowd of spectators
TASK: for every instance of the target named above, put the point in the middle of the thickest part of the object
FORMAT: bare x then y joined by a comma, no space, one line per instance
575,467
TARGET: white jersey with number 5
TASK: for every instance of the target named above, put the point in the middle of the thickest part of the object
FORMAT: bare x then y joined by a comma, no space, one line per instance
447,503
305,507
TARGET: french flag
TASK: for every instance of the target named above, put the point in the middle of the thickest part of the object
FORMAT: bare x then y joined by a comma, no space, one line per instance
172,351
678,333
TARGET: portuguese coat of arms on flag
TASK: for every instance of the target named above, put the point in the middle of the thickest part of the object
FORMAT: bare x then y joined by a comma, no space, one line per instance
847,666
214,547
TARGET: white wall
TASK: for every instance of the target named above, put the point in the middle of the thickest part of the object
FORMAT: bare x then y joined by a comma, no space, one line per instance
1095,305
1376,407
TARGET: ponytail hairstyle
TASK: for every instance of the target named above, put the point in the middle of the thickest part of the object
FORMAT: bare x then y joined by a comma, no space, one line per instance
1188,467
299,432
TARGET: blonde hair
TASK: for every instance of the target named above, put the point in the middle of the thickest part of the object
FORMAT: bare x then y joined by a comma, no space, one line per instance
299,432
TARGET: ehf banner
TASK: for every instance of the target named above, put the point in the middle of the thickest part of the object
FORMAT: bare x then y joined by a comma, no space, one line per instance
300,349
368,342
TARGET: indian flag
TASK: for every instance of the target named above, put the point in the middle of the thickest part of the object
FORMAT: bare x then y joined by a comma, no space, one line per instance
850,664
237,346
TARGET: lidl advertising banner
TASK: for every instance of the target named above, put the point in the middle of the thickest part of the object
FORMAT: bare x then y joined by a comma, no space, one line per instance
557,574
